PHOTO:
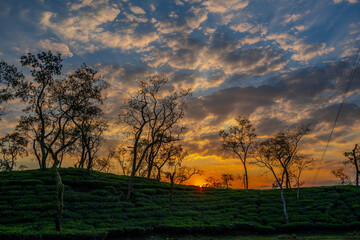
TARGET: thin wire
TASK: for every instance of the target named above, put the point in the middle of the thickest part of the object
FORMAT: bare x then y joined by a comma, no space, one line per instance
347,88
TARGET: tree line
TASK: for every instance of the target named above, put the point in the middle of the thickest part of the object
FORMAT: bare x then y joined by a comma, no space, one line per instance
63,118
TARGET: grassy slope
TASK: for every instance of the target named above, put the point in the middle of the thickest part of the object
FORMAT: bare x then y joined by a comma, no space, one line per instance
28,203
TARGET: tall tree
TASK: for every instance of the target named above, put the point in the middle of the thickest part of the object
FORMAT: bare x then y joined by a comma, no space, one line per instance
152,116
353,158
39,123
240,140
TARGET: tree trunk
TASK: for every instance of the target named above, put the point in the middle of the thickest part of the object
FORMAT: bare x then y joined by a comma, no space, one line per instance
150,166
171,195
131,182
284,205
60,198
298,192
246,178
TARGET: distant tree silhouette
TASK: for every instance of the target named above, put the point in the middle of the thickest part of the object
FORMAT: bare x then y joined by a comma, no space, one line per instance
353,158
301,162
227,179
340,173
213,182
152,118
239,140
177,175
12,146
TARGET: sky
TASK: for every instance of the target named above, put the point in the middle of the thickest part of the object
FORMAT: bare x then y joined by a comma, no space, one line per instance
277,62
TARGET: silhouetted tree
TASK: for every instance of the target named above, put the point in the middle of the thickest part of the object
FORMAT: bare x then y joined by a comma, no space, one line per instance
353,158
340,173
12,146
178,175
267,158
227,179
239,140
152,116
284,146
213,182
301,162
168,154
10,80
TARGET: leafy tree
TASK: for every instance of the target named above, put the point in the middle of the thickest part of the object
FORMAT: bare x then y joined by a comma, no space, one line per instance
340,173
53,106
10,80
239,140
12,146
353,158
227,179
152,116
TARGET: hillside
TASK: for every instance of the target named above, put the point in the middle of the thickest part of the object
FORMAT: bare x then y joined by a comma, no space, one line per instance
93,207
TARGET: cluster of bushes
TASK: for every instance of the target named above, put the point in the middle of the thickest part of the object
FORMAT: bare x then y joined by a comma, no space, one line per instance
93,203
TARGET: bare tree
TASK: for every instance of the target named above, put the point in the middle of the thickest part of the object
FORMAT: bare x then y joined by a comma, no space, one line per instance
239,140
152,116
268,159
285,148
12,146
353,158
227,179
301,162
340,173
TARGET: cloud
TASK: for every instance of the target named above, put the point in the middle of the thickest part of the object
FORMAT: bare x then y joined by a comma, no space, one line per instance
180,54
216,6
83,27
137,10
251,28
302,51
195,17
340,1
47,44
225,54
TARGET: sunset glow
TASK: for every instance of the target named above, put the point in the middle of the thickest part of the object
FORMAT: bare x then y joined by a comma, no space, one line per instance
279,63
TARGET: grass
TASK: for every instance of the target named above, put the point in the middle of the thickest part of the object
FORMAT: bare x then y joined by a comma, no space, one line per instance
94,208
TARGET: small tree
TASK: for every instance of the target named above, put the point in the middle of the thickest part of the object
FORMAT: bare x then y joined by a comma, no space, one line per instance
344,179
301,162
213,182
268,159
178,175
12,146
353,158
227,179
239,140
